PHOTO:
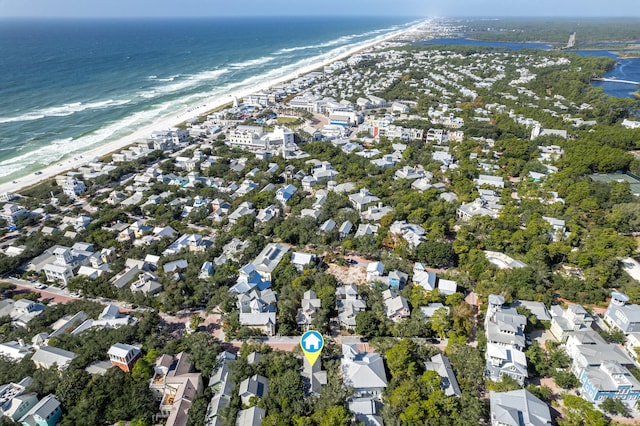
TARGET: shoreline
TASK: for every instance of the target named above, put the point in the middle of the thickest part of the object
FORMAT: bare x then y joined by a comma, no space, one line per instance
202,108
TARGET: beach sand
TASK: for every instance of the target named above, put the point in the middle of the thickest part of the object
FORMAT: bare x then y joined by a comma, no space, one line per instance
211,104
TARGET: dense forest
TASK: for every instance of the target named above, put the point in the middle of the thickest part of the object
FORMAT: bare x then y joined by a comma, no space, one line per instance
589,31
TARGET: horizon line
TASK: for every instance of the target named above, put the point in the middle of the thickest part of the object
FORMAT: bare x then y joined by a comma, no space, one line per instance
413,17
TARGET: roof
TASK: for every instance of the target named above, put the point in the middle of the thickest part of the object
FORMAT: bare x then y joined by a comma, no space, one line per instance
362,370
441,365
518,408
49,355
44,407
250,417
121,350
254,385
269,257
538,309
299,258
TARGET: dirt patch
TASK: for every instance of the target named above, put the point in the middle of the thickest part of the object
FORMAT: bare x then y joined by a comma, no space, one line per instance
348,274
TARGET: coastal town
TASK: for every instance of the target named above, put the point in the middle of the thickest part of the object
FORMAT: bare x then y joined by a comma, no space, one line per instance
459,223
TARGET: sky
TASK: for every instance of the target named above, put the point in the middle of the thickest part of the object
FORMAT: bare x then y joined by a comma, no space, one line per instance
412,8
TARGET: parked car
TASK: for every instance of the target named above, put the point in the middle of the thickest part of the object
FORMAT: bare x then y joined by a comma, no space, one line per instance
41,286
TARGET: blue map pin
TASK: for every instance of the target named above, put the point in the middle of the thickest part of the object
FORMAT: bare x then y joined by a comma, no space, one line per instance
311,343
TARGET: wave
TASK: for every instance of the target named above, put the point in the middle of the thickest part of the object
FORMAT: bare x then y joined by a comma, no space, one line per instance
156,78
253,62
63,110
188,82
56,150
339,40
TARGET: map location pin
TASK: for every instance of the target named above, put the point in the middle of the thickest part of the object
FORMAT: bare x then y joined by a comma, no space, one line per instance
311,343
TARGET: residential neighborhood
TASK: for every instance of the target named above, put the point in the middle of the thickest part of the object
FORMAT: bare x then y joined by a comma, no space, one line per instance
448,218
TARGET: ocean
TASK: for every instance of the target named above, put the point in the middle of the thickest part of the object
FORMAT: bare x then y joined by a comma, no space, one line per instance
67,86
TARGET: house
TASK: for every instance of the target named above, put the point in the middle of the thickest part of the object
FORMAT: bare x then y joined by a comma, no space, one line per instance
396,306
268,213
12,212
251,417
175,266
366,411
328,226
518,408
22,311
345,229
360,200
479,207
47,412
537,309
494,181
588,356
397,279
365,229
15,350
447,287
313,375
505,361
48,356
254,386
124,356
375,270
63,262
429,310
424,278
175,386
504,329
300,260
349,304
67,323
609,380
410,232
365,374
572,319
269,258
14,402
248,279
146,283
440,364
310,305
222,387
258,310
206,270
285,193
244,209
622,315
503,325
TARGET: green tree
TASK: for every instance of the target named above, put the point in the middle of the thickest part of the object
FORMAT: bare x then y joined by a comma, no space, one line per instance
615,407
440,322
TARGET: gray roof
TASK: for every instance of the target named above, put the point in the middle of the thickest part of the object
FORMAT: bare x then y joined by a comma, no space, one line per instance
250,417
269,257
441,365
49,355
362,370
255,385
538,309
44,407
518,408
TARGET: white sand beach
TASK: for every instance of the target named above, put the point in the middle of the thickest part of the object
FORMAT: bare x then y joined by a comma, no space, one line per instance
178,118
